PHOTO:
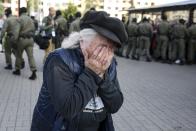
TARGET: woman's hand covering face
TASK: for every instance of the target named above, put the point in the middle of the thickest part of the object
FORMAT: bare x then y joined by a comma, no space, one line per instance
98,56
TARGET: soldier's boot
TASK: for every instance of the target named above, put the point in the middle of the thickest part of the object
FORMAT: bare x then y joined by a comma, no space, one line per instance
137,57
190,62
8,67
148,59
33,75
23,65
133,57
16,72
171,62
182,62
164,61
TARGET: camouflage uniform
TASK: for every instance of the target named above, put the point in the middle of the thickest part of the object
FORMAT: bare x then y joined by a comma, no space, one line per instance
177,49
11,27
192,43
75,26
132,30
26,42
145,31
61,30
162,40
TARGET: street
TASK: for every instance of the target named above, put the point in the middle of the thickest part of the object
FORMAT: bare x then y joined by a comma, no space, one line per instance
157,97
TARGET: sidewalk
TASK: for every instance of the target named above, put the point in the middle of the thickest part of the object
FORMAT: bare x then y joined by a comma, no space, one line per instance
157,97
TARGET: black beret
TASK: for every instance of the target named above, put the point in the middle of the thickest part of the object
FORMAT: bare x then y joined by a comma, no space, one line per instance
109,27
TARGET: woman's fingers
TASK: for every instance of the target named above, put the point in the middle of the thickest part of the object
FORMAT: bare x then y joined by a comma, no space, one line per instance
96,52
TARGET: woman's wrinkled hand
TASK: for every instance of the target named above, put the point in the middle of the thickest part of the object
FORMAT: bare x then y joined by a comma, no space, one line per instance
100,60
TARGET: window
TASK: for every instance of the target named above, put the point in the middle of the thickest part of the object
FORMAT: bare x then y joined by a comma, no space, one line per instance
124,1
116,15
123,8
116,8
79,5
146,3
152,4
109,8
138,3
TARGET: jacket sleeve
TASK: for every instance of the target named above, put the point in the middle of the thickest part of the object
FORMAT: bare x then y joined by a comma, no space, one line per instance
69,94
111,94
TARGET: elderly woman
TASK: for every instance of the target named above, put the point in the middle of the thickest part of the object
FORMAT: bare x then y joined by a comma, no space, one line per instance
80,88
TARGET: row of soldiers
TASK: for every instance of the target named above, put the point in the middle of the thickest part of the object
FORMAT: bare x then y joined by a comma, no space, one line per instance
18,33
175,43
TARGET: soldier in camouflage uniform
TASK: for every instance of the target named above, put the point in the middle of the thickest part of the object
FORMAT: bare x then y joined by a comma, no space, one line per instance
192,43
75,25
132,31
49,30
145,31
11,27
162,39
26,43
61,29
178,34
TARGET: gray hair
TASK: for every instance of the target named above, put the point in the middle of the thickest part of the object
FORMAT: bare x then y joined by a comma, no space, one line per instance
73,40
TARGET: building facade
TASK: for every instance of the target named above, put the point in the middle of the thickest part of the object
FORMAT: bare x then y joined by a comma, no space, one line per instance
116,7
144,3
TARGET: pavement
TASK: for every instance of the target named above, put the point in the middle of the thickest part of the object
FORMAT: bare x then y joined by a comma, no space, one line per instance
157,97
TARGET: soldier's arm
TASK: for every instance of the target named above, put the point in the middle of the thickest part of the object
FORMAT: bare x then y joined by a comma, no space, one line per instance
21,23
33,27
151,31
136,30
186,32
71,28
66,29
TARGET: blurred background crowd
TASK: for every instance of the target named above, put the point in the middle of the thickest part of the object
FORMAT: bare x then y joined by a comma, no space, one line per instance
165,33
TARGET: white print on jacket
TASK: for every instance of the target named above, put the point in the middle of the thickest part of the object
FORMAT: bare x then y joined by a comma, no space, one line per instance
94,105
